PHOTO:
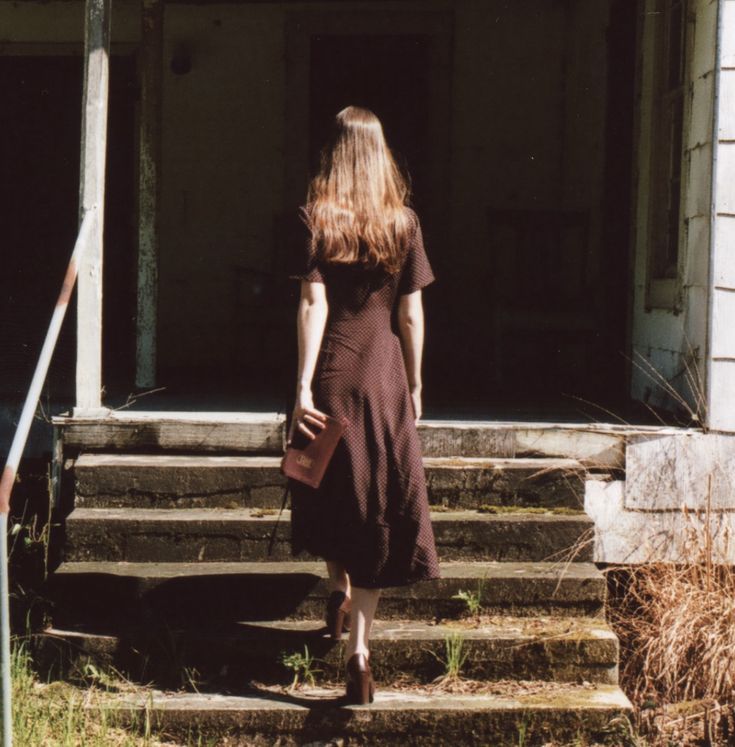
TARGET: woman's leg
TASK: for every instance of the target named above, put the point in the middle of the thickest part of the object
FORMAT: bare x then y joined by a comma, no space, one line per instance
364,603
338,576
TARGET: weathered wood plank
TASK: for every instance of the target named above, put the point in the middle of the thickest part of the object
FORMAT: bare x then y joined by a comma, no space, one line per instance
92,197
598,447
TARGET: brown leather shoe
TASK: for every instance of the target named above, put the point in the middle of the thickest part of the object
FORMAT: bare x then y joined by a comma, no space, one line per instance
360,685
338,614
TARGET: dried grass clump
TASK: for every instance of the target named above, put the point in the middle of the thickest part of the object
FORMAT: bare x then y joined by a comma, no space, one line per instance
676,625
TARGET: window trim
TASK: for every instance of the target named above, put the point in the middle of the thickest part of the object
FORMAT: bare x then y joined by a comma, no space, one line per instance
663,286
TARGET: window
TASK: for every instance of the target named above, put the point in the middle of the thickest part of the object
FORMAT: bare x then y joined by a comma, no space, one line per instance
669,44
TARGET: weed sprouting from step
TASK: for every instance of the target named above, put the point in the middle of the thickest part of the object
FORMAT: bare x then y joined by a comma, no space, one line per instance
523,727
192,678
473,599
302,666
454,657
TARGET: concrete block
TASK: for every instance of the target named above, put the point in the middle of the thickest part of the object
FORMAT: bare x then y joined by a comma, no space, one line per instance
726,178
669,472
644,536
724,251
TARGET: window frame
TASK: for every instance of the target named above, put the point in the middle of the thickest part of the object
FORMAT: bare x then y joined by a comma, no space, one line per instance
669,111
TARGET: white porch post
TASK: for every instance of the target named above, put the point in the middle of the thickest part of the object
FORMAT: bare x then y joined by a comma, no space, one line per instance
721,379
151,61
92,198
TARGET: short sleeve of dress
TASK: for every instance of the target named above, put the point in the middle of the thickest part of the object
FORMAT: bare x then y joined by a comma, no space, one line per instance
303,262
417,272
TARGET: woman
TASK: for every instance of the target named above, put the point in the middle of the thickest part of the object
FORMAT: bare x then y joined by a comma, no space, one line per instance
362,266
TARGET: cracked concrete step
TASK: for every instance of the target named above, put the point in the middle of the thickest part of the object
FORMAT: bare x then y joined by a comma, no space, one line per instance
207,481
563,649
185,535
111,594
515,715
596,445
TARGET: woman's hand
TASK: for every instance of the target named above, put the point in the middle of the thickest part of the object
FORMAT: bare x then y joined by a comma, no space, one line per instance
304,412
416,400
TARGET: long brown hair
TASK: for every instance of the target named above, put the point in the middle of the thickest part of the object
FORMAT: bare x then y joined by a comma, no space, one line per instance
359,194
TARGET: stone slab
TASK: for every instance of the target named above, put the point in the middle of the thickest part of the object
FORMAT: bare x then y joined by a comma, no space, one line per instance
396,718
665,473
216,481
563,649
596,445
113,594
186,535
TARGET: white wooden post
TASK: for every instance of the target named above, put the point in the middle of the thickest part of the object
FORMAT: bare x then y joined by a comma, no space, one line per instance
92,198
151,61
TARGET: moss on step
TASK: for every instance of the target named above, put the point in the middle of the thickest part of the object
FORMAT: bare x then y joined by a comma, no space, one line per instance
490,508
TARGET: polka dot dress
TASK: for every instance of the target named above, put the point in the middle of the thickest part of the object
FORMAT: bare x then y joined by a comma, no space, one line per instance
371,510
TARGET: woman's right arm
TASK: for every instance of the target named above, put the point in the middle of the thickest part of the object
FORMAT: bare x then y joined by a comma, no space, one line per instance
311,318
410,323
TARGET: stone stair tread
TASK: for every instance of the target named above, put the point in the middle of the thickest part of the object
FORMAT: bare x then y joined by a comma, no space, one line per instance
93,459
235,534
188,515
316,715
515,696
450,569
563,649
113,592
496,628
502,627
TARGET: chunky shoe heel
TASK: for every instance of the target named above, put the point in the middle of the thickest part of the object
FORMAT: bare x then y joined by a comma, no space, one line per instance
360,689
338,614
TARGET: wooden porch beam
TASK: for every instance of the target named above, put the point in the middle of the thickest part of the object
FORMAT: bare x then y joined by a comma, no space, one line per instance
92,198
151,75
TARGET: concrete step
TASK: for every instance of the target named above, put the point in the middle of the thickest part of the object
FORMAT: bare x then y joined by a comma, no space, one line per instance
210,481
531,713
186,535
596,445
563,649
114,594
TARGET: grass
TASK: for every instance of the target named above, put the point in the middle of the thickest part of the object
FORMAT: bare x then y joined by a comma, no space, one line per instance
59,713
75,712
453,660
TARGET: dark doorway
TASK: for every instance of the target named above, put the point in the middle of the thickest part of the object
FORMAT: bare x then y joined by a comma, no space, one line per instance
386,74
39,186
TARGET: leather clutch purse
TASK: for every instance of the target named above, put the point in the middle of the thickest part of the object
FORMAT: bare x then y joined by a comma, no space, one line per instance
306,459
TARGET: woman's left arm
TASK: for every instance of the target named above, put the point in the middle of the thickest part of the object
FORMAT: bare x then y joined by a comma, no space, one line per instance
311,319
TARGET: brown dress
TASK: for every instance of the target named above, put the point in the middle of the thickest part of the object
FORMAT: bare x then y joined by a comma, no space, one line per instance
371,510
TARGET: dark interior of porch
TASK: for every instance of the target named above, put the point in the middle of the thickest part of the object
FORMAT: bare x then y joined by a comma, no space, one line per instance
516,129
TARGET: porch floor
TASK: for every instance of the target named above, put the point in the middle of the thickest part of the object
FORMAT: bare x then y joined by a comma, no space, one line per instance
528,410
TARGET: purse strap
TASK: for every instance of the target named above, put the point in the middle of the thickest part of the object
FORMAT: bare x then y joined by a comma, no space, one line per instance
275,526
